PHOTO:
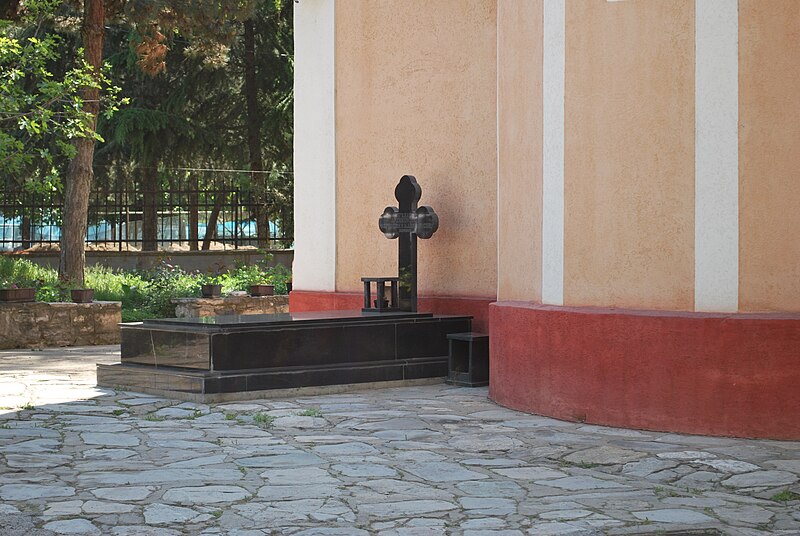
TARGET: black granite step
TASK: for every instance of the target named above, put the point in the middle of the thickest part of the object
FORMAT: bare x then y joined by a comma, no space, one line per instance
197,382
247,353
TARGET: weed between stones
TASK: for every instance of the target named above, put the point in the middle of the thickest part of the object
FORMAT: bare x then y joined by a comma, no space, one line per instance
263,420
785,496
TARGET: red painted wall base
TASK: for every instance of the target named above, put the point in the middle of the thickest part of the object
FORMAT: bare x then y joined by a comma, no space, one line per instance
726,375
305,300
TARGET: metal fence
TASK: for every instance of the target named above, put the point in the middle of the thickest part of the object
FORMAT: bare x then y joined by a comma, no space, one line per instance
187,213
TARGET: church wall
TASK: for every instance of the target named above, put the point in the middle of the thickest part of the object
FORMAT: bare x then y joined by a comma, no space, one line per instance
519,151
676,168
620,176
416,94
629,154
769,145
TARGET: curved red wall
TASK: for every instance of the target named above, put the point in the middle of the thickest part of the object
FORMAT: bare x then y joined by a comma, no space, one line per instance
715,374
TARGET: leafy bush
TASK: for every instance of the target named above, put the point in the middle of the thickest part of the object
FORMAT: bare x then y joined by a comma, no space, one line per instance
24,273
108,284
144,294
256,274
165,283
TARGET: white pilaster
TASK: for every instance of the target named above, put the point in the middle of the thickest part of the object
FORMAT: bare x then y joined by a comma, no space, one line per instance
314,146
553,153
717,155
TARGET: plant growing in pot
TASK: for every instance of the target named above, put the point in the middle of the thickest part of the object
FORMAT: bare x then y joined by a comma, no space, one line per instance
11,292
257,280
210,286
82,295
262,289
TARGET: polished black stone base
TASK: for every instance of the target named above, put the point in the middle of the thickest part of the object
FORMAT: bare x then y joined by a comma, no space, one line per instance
231,354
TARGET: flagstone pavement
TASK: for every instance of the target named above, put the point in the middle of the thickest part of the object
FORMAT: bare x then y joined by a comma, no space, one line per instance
76,459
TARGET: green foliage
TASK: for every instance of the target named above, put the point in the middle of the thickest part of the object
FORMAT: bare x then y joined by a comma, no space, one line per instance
144,294
24,273
42,75
53,292
108,284
263,420
193,114
260,273
244,276
786,496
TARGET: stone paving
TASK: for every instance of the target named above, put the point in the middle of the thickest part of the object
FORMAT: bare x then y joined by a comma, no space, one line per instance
434,460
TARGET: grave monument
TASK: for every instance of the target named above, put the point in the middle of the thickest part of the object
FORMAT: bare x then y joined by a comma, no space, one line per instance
405,223
243,356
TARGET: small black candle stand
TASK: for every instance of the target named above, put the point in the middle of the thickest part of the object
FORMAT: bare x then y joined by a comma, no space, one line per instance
468,363
384,301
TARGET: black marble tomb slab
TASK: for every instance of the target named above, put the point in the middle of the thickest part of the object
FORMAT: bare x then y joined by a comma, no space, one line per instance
227,354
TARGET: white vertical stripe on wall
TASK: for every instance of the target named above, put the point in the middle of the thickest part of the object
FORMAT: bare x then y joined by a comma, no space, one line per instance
717,156
314,265
553,152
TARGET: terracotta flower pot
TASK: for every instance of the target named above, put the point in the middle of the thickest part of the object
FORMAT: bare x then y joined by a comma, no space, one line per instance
82,295
211,291
262,290
17,294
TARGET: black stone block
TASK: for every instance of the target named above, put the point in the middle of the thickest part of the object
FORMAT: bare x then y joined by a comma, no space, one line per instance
234,354
468,359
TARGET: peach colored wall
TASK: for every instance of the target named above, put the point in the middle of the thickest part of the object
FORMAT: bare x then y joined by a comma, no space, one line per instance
519,124
769,155
416,94
629,154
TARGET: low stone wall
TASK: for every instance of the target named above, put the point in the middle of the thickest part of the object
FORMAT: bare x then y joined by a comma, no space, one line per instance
39,325
230,305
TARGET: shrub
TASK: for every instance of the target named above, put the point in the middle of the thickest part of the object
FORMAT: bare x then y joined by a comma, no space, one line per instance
144,294
24,273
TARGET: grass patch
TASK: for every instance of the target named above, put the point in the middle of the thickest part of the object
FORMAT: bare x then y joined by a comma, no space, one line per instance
311,412
230,416
118,412
663,492
152,417
786,496
263,420
144,293
217,513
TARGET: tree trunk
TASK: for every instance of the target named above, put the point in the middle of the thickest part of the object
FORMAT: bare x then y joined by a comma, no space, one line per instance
150,191
79,175
253,134
194,214
25,231
211,226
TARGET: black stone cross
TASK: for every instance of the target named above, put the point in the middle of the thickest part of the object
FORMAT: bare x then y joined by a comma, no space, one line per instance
407,223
